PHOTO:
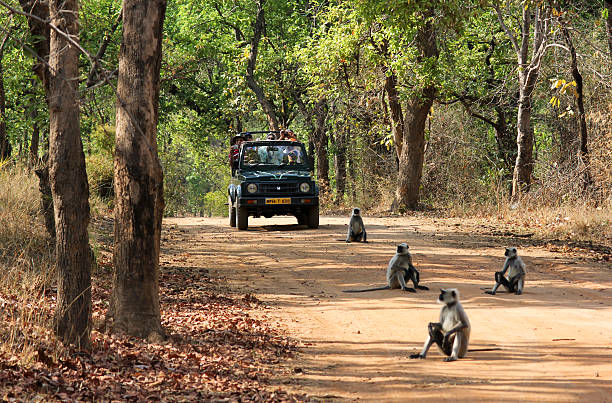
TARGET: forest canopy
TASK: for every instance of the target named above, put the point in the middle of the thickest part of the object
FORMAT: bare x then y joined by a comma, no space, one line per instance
402,105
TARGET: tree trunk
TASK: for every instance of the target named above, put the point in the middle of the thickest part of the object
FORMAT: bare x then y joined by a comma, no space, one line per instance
397,116
5,146
528,71
33,160
413,151
46,197
139,201
608,4
411,146
40,34
321,143
584,152
340,164
268,107
68,181
523,167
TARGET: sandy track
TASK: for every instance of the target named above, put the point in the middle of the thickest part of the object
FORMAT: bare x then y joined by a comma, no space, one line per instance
555,339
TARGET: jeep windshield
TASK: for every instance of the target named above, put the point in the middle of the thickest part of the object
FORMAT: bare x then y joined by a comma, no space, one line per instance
273,155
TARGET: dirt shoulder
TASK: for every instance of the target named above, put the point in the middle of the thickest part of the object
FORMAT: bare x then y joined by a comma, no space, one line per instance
555,339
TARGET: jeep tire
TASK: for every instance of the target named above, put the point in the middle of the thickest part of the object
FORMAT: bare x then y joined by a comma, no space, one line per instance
232,212
242,218
312,217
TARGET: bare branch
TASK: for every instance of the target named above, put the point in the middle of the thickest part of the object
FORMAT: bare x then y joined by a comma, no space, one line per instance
505,28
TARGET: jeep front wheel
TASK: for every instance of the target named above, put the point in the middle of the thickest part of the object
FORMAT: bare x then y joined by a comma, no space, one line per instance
312,217
232,212
242,217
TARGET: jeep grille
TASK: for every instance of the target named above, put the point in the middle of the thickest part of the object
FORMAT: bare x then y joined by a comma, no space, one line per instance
282,188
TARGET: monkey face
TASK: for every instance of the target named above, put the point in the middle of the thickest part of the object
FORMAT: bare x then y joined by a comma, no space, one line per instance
510,252
447,296
356,211
402,248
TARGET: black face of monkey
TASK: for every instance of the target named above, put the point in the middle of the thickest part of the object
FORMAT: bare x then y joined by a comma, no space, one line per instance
402,248
447,296
356,211
510,252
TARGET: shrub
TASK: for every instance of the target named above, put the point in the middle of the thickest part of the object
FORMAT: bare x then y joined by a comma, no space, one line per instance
100,175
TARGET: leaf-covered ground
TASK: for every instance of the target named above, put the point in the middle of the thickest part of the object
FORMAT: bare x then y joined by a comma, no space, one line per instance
217,350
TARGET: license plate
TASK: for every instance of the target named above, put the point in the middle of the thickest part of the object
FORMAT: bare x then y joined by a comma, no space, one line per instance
278,201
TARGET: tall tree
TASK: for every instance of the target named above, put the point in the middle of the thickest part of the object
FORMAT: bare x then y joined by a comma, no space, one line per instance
577,76
528,72
68,179
258,30
139,201
38,13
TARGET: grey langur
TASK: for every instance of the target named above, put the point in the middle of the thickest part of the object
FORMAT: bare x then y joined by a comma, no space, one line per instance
356,229
516,274
399,271
452,332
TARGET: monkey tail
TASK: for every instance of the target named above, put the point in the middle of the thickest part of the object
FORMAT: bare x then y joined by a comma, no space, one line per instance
369,289
483,349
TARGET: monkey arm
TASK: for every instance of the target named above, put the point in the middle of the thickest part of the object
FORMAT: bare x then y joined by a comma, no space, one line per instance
460,326
348,234
506,266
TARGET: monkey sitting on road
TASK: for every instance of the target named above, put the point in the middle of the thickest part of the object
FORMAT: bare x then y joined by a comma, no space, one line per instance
399,271
452,333
356,229
516,274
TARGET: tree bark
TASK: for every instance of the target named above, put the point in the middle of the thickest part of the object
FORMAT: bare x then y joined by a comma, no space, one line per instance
46,197
139,201
321,143
268,107
68,181
340,164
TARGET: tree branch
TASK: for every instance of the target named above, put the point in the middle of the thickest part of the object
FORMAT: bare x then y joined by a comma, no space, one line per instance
509,34
66,36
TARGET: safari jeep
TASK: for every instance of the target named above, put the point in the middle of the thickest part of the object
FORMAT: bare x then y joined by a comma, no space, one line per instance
272,177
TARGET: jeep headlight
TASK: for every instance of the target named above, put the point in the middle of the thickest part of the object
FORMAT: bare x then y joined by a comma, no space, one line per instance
252,188
304,187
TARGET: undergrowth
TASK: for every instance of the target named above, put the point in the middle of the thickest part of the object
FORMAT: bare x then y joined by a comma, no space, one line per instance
26,266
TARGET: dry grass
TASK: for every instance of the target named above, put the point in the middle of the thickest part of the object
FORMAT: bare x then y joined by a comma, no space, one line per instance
26,268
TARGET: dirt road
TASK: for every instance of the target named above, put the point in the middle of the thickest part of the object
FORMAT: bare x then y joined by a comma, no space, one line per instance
555,339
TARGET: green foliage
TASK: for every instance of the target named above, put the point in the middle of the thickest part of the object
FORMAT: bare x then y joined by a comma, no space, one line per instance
100,175
102,140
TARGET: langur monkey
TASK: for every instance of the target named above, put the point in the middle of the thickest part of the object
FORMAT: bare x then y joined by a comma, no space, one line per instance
452,333
399,271
516,274
356,229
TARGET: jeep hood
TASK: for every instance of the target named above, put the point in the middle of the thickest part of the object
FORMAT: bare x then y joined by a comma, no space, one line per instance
275,175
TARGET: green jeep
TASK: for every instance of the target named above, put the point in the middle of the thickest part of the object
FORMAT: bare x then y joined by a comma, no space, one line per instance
272,177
